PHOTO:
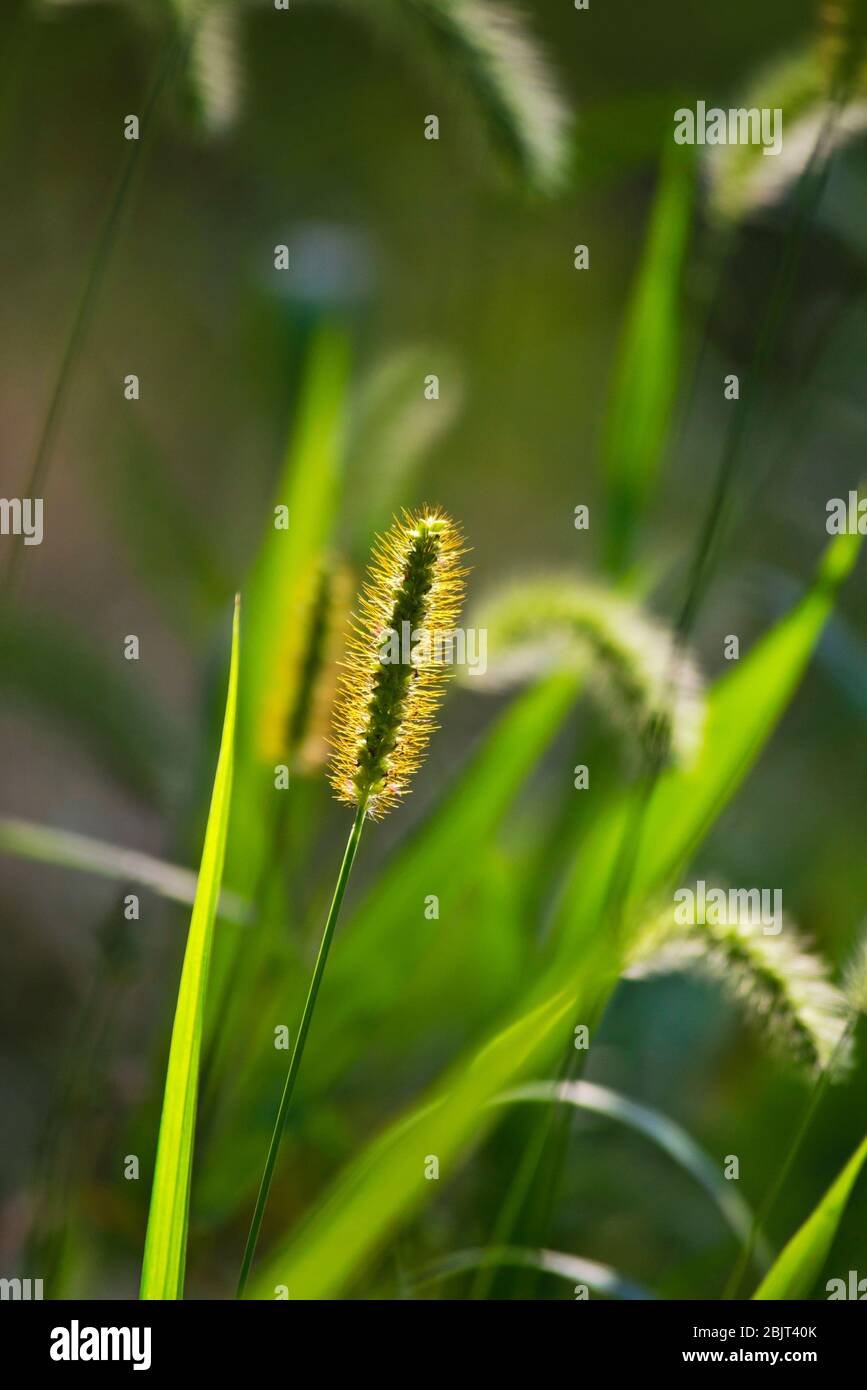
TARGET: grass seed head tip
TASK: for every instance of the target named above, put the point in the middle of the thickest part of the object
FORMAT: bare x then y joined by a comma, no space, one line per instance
388,695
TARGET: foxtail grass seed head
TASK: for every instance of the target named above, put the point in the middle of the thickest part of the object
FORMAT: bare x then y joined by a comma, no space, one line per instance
634,662
855,977
296,716
782,982
384,713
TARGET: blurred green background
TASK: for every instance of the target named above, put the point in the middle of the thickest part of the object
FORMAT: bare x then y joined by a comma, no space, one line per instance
433,258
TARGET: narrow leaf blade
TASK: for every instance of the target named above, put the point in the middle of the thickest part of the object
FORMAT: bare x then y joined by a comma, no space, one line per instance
166,1240
798,1266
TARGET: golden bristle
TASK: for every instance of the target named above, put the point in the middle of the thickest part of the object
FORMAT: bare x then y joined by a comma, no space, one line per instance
384,712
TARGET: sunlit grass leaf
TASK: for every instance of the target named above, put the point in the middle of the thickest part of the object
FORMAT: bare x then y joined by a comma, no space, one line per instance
782,983
45,844
798,1266
280,614
386,1183
659,1129
646,376
630,657
575,1270
166,1240
280,596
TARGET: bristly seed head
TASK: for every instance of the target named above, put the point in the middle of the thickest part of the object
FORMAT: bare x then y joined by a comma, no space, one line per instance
384,709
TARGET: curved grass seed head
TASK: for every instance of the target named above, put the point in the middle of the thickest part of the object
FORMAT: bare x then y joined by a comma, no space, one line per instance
398,656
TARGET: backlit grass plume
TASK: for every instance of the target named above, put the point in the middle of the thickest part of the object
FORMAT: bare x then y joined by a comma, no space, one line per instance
632,660
855,977
296,716
783,984
386,702
398,656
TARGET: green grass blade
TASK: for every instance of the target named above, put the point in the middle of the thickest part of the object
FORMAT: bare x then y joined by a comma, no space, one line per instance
573,1268
394,429
387,1181
279,603
166,1240
646,377
45,844
799,1265
659,1129
279,596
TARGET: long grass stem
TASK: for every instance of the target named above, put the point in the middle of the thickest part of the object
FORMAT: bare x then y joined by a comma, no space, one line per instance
817,1093
298,1050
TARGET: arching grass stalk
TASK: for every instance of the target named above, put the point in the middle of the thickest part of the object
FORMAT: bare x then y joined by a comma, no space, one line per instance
382,721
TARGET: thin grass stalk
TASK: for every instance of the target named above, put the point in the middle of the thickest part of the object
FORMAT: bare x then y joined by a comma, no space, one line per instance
546,1145
172,60
760,1217
298,1050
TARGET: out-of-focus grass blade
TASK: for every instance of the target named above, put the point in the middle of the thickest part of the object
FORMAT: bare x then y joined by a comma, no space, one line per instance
282,587
799,1265
645,383
394,428
670,1137
278,608
166,1239
387,1182
600,1278
107,713
743,709
45,844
